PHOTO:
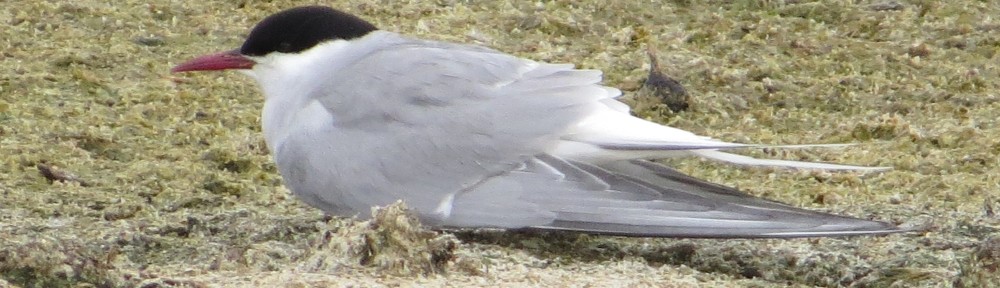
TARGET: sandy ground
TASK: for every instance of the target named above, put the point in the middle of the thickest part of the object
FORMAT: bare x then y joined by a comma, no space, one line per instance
166,181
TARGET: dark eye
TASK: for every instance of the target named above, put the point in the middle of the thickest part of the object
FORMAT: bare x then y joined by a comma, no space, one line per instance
284,47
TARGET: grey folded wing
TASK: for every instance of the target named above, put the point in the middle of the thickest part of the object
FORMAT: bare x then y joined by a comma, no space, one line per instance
421,121
640,198
462,136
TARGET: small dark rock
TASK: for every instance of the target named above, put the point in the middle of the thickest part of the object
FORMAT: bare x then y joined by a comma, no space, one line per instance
988,207
74,59
919,50
668,90
886,6
151,41
988,254
678,254
53,174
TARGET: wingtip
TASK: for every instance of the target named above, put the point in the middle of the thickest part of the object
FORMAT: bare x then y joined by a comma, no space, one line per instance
750,161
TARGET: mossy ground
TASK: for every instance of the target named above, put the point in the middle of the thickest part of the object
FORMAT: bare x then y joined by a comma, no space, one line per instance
181,192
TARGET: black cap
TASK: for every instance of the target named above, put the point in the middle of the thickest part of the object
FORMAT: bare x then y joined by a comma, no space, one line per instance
298,29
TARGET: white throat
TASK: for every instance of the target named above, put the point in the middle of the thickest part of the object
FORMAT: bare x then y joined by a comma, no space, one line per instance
291,83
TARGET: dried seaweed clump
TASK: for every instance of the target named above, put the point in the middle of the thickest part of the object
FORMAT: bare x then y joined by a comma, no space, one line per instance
393,241
48,262
982,268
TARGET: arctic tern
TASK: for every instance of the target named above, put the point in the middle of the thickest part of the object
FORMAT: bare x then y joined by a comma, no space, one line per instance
468,136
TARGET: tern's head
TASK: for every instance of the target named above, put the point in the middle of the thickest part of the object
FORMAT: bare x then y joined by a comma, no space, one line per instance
288,32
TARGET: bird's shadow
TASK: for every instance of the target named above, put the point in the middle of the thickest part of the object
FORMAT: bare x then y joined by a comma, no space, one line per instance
575,246
768,259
